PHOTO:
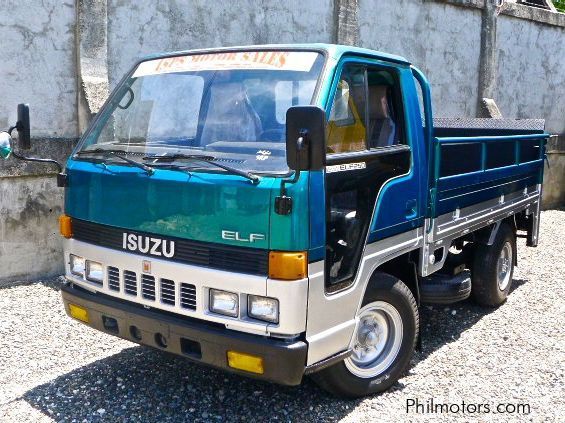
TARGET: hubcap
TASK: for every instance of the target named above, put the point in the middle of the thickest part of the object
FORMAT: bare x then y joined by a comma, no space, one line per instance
376,341
504,266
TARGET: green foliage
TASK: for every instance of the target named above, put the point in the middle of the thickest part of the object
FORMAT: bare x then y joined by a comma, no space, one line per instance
559,5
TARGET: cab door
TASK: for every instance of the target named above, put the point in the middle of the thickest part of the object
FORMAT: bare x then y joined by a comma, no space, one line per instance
370,193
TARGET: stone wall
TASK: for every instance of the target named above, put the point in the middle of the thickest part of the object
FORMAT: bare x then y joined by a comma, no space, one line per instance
447,48
62,57
143,27
37,67
531,71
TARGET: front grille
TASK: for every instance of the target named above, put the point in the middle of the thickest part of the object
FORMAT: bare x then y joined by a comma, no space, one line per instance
218,256
148,287
130,282
113,278
168,292
188,296
152,288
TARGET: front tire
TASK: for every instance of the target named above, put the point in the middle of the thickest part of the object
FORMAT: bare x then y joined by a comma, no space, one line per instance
383,342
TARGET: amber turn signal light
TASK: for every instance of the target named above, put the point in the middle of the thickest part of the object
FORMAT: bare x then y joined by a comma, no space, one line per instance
65,226
288,266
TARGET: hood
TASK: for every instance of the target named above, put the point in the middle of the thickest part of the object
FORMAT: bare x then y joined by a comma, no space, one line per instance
209,207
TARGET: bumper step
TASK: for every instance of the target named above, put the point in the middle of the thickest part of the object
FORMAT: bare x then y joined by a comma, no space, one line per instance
196,340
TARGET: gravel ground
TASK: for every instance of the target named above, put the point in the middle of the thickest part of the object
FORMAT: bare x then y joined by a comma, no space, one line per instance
53,368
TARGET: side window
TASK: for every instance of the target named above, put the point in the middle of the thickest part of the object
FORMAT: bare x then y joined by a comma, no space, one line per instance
346,125
384,111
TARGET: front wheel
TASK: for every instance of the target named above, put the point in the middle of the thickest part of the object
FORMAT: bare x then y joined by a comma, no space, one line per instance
383,342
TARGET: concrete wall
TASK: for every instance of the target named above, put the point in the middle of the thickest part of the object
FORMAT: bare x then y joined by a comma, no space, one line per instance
531,71
38,64
447,48
62,57
31,244
37,67
139,28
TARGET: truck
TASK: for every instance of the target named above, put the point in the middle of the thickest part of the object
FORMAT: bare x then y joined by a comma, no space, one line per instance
280,211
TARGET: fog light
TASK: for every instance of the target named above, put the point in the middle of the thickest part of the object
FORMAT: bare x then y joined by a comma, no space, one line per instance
78,312
263,308
77,265
223,302
247,362
93,271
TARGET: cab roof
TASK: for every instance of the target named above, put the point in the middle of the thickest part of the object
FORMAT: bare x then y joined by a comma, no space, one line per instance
335,51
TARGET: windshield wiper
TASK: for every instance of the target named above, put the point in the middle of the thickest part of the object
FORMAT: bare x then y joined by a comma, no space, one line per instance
202,158
118,153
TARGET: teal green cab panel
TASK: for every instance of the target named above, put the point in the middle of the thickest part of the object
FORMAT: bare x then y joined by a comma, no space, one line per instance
291,232
171,203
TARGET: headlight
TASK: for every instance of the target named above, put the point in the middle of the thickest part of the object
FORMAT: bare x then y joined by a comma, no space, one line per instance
223,302
263,308
77,265
94,271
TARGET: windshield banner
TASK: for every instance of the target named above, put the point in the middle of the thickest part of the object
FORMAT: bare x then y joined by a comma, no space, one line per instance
271,60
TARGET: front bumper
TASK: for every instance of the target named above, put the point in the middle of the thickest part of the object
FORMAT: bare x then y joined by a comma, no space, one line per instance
208,343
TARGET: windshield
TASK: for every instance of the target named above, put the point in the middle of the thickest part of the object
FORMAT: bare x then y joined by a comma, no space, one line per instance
229,106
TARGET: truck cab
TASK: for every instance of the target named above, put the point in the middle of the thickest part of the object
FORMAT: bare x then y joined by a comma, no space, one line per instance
282,210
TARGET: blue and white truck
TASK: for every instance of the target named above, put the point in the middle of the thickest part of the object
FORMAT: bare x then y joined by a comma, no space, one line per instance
283,210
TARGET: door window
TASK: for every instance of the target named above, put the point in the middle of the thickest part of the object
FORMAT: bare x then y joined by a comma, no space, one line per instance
346,125
384,107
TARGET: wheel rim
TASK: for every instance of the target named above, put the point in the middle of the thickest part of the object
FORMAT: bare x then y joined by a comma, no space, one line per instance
376,341
504,266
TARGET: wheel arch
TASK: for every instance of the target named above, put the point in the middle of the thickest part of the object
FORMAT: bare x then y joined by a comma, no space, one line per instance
403,267
486,235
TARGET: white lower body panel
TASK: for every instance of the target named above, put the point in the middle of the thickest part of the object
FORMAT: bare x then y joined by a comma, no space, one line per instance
291,295
331,317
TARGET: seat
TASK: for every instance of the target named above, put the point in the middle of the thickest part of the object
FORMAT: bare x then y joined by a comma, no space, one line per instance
230,115
382,128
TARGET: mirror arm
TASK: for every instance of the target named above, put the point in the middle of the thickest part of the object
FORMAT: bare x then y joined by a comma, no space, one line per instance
283,203
301,144
289,181
35,159
61,176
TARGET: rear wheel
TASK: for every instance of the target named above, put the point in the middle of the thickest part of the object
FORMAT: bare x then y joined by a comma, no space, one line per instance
493,267
383,342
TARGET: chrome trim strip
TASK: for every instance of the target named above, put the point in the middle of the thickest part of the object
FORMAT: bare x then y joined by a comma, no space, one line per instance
481,214
449,226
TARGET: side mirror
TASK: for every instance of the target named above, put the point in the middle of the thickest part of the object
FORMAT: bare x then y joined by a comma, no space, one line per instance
5,145
305,138
22,125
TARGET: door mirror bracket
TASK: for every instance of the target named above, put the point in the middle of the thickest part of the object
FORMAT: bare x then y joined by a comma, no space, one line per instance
24,141
305,147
